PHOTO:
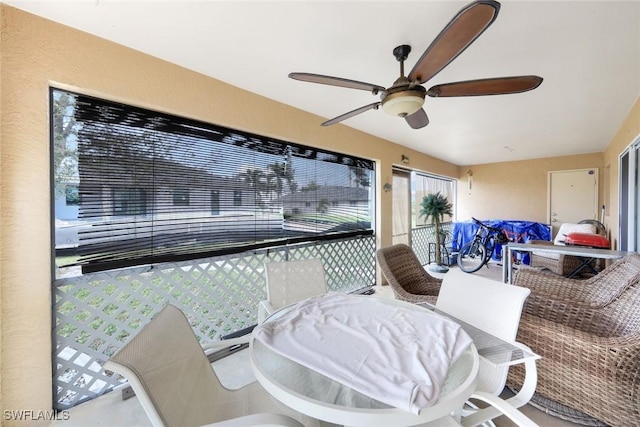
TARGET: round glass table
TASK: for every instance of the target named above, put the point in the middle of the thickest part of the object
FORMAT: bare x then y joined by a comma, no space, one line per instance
313,394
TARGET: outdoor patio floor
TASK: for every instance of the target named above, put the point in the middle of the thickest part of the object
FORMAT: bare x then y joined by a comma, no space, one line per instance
111,410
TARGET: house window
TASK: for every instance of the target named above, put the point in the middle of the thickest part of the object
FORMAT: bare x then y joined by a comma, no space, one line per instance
158,188
180,197
129,201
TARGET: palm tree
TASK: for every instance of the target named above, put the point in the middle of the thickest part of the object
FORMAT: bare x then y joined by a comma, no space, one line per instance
279,172
283,173
360,176
256,179
436,206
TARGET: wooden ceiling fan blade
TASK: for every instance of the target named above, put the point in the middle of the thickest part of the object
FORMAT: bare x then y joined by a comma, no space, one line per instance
336,81
355,112
494,86
459,33
418,119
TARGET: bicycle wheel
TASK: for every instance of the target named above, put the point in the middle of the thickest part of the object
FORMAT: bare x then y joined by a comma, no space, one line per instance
472,256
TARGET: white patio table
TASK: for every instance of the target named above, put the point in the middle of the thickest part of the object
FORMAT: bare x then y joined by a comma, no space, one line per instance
311,393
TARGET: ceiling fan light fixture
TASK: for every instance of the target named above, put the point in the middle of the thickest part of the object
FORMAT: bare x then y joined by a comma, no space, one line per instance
403,103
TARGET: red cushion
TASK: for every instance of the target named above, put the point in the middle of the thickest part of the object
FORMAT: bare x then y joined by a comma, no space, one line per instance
585,239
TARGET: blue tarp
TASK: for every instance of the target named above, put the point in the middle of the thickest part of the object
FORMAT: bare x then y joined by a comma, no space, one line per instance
517,231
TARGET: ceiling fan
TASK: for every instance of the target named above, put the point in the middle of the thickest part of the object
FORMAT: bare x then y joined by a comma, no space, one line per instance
406,96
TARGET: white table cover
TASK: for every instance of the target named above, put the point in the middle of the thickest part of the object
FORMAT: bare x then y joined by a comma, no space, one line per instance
394,353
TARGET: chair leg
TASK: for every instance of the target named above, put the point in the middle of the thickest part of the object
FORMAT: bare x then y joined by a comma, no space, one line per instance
498,407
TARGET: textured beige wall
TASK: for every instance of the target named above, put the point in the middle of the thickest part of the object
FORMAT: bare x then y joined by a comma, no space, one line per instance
36,53
627,134
515,190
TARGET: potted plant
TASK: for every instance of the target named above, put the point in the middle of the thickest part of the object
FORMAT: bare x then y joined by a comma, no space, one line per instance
436,206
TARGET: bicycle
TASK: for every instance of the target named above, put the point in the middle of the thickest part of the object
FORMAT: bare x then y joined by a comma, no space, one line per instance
477,253
517,257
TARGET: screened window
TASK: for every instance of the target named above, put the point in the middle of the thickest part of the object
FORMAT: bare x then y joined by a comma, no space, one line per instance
423,184
153,187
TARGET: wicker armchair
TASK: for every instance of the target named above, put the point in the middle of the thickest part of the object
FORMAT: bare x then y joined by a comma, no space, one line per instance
560,263
406,275
552,296
590,361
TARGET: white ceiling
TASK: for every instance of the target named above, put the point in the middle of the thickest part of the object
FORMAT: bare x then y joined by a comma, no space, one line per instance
588,53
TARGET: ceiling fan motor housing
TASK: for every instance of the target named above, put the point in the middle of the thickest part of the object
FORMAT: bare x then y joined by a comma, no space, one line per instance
403,101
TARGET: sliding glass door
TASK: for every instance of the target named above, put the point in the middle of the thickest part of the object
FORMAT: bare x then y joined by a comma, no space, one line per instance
629,233
401,207
409,188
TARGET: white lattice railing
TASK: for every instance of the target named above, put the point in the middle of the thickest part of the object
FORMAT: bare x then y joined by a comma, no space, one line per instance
95,314
422,236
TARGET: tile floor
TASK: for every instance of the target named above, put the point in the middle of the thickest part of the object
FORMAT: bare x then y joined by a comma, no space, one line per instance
111,410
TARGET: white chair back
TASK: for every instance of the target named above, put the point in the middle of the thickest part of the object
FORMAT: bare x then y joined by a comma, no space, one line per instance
164,360
489,305
291,281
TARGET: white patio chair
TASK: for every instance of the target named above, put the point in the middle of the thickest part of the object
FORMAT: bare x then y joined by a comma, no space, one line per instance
496,308
289,282
175,384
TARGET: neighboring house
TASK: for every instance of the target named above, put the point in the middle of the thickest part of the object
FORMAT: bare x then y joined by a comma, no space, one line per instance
327,199
183,194
172,187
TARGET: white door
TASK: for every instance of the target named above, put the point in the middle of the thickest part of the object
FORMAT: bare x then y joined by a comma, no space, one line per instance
573,196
